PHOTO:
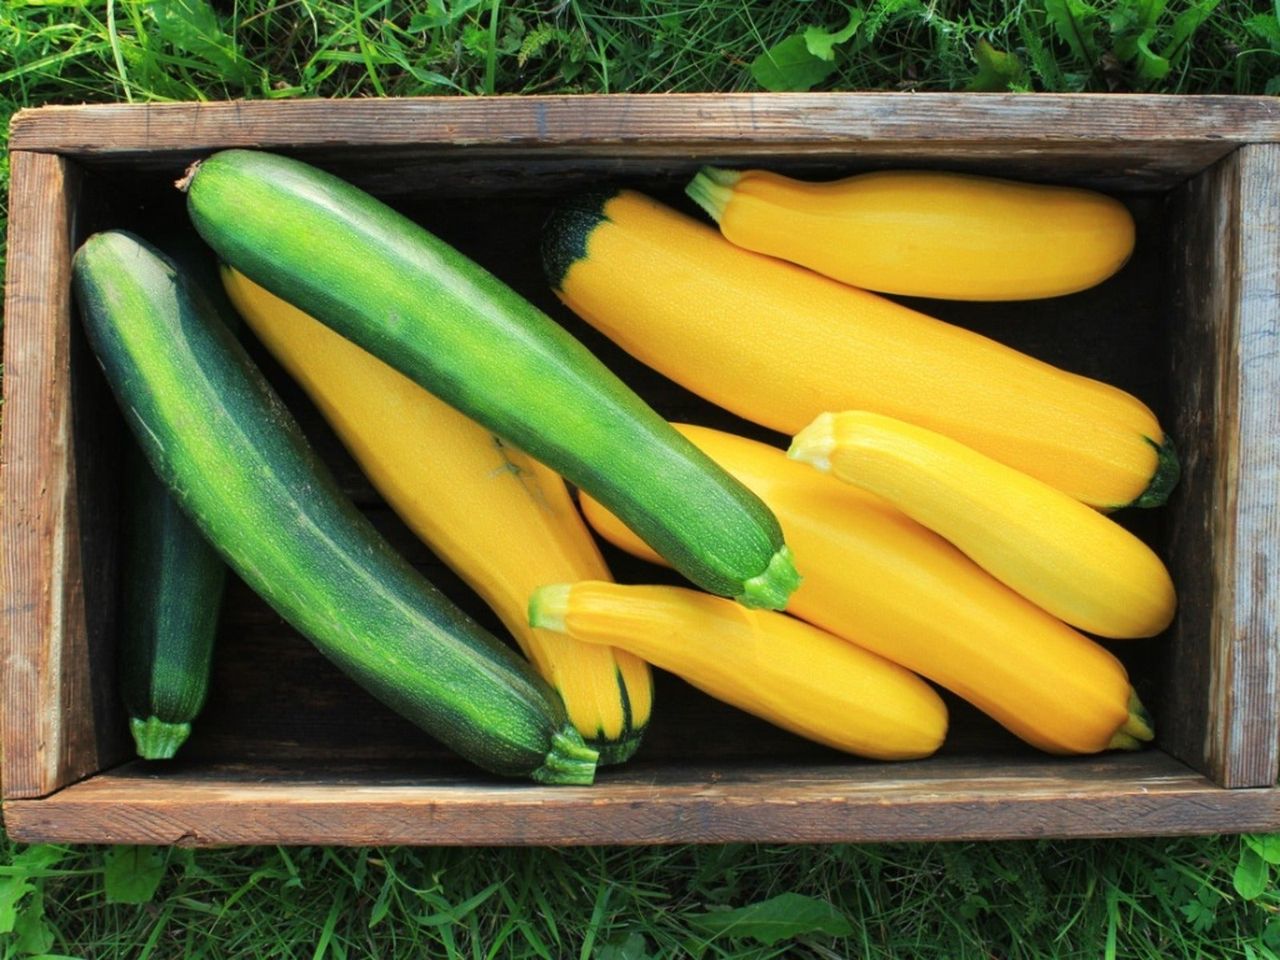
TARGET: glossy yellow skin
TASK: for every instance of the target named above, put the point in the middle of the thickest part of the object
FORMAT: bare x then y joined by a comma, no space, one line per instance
778,345
783,670
505,523
879,579
933,234
1063,556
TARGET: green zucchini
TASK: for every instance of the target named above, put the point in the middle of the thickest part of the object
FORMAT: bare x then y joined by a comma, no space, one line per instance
173,580
419,305
173,583
234,458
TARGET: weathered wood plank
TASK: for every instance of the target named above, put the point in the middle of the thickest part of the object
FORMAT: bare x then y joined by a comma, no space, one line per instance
475,147
659,120
1244,689
526,172
46,703
1147,794
1221,673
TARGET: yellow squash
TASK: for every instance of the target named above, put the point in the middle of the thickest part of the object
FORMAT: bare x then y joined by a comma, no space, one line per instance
772,666
778,344
925,233
503,521
1076,563
879,579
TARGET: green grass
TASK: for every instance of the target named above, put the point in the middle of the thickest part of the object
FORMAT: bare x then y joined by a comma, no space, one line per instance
1154,899
1203,898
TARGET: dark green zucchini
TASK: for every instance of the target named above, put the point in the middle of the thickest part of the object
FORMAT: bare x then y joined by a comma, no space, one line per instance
412,300
234,458
173,582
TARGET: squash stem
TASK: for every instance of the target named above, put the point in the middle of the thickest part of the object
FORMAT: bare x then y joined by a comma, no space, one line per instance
569,761
814,444
774,587
1168,472
548,606
158,739
712,189
1138,724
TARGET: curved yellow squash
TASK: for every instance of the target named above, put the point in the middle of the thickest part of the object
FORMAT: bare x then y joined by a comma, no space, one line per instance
926,233
1074,562
877,578
505,523
773,666
778,344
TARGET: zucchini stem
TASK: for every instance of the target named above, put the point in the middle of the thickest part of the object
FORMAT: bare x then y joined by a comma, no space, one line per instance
184,182
772,588
569,761
712,189
158,739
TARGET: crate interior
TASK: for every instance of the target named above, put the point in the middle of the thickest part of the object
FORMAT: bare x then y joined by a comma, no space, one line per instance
277,705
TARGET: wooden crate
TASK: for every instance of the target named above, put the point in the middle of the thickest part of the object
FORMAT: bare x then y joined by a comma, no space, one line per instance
288,751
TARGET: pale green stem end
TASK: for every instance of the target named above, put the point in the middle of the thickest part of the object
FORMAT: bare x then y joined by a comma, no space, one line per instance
548,606
815,443
712,189
158,739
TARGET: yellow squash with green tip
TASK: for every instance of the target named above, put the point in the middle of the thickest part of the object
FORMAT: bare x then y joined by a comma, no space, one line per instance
773,666
501,520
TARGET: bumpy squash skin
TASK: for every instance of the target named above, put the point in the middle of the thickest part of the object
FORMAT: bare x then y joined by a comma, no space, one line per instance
234,458
926,233
776,667
778,345
881,580
172,593
1068,559
502,521
452,327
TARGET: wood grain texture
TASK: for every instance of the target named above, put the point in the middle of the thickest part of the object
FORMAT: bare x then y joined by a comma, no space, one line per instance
1222,667
662,120
1155,138
46,708
941,799
1245,711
